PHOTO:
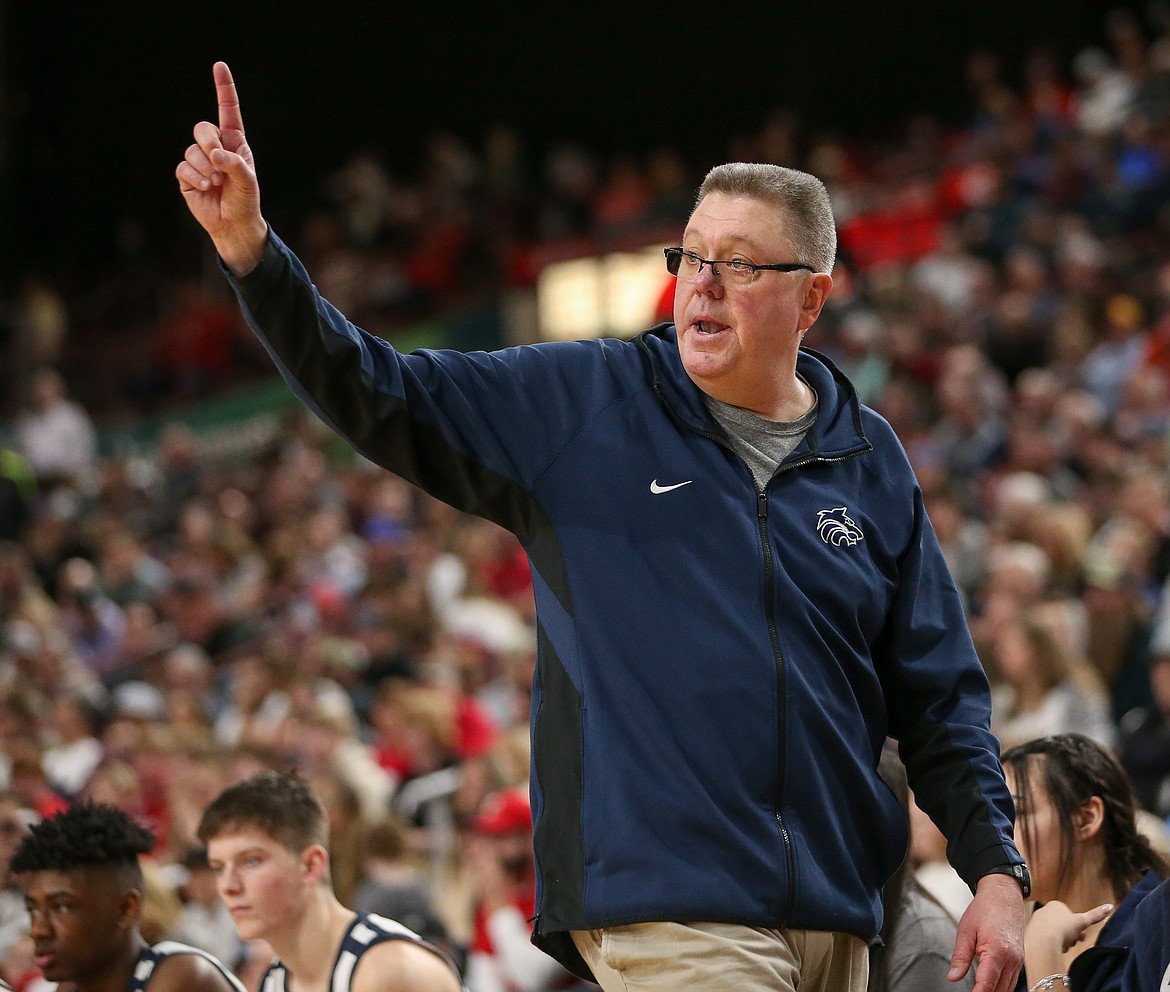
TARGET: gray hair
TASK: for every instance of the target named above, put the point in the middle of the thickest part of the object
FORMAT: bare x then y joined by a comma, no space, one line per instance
808,215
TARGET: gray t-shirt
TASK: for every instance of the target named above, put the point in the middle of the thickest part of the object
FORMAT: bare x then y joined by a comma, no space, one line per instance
760,442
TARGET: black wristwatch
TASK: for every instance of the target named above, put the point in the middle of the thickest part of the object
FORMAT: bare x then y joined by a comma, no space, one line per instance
1019,872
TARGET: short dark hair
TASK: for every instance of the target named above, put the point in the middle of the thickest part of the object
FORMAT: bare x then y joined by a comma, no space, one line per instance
281,804
86,835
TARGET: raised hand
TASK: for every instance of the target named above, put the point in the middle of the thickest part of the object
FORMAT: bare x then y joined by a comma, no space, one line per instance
217,178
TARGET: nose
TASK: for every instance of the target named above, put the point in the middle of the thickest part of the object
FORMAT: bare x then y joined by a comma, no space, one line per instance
228,881
38,924
707,280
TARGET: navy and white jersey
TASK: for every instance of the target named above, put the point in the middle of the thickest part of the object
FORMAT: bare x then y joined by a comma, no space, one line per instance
364,932
149,959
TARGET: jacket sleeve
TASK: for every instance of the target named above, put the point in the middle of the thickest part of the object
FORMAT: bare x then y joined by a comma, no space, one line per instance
473,429
939,708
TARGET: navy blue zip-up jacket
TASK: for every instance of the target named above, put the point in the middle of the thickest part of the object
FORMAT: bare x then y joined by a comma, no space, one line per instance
717,666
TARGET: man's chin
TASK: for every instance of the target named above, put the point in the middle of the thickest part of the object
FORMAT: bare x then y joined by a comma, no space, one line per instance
55,973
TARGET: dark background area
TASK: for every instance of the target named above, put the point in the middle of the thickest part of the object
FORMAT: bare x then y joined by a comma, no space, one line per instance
98,100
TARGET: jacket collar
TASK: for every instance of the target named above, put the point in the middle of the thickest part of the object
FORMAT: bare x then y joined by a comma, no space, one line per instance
838,431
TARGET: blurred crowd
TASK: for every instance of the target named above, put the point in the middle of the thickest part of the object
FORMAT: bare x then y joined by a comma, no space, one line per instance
170,621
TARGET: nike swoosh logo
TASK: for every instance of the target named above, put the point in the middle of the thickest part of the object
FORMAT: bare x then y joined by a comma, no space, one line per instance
656,488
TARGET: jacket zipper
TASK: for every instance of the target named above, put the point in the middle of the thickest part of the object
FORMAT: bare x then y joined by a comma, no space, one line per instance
781,723
778,656
773,632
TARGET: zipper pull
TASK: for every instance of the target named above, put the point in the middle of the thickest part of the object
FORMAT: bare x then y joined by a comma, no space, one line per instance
762,505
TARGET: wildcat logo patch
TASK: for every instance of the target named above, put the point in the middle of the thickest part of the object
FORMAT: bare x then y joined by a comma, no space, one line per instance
836,527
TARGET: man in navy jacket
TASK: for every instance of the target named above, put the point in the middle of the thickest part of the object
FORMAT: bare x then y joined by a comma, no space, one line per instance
739,596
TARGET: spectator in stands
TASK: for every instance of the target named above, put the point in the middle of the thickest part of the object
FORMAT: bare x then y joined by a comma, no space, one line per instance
1145,738
1041,689
1111,363
1119,611
392,883
127,571
95,623
204,920
14,823
55,434
195,344
76,750
22,598
1092,868
499,853
918,932
40,326
927,856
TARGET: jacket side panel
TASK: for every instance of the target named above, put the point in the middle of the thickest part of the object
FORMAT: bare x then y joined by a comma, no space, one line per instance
557,843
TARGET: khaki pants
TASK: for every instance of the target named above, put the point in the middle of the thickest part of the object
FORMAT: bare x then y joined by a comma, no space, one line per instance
709,957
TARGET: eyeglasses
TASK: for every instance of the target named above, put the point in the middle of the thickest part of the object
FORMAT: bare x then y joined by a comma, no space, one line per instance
735,272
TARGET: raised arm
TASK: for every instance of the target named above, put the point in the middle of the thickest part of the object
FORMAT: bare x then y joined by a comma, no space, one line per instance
217,178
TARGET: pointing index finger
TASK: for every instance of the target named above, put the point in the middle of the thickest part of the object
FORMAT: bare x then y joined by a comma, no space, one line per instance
230,118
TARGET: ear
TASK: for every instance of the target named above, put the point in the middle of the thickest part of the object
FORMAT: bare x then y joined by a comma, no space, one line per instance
314,865
1089,818
817,288
130,909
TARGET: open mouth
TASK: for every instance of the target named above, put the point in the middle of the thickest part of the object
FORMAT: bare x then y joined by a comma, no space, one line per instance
709,327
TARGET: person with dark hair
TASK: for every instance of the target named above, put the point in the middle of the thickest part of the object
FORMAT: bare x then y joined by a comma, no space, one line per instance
267,840
739,595
83,887
1091,867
